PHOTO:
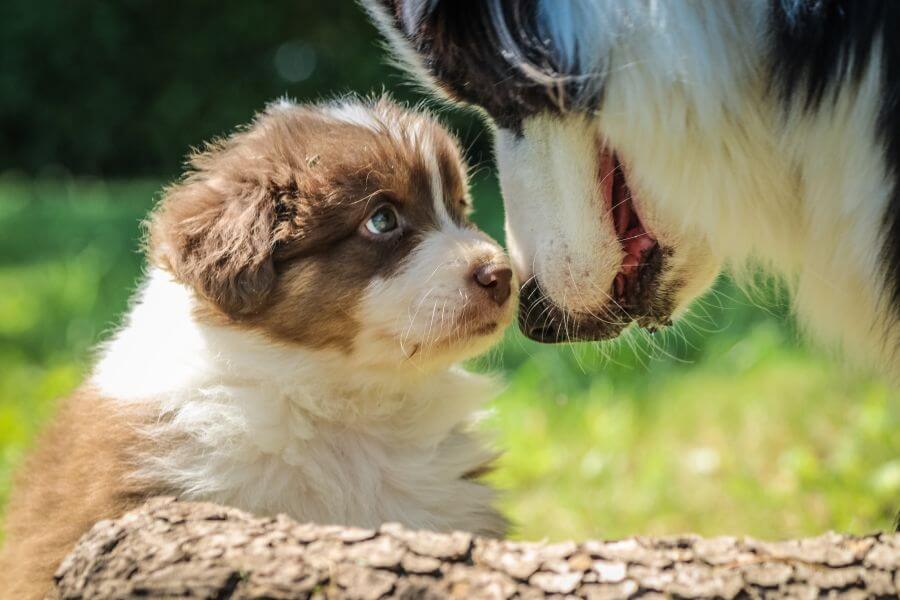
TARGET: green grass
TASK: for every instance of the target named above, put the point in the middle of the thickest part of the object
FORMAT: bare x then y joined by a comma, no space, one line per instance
726,425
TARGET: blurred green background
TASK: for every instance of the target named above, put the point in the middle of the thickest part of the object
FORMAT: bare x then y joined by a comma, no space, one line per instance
727,424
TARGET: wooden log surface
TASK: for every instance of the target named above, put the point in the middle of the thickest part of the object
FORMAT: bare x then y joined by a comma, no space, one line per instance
169,548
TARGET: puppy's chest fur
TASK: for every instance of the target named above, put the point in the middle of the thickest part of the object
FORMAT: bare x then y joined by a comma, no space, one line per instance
266,451
244,422
284,461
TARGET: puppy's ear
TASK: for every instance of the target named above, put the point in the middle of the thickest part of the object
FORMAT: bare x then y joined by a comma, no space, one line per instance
217,234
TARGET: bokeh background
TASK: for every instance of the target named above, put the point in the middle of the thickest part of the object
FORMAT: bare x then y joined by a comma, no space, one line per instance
726,425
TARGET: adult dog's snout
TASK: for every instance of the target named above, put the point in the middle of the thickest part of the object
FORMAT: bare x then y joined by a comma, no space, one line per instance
543,320
536,314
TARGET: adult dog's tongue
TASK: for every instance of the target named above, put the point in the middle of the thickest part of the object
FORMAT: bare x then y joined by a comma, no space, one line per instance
634,238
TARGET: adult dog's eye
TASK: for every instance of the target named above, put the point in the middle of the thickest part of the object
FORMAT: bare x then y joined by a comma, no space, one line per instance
384,220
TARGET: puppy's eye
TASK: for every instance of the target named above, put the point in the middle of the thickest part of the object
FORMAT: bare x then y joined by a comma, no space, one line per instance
383,220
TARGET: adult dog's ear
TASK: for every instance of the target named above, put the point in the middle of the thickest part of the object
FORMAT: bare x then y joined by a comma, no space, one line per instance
401,23
406,15
216,232
501,55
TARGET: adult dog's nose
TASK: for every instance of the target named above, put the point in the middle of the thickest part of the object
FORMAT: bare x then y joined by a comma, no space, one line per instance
495,280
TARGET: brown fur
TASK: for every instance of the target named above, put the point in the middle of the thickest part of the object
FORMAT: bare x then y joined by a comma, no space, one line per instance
77,475
264,226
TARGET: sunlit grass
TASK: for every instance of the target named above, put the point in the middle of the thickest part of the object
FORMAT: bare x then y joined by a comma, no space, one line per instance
728,425
762,439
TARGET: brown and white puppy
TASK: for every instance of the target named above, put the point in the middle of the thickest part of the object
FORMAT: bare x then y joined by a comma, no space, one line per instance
312,281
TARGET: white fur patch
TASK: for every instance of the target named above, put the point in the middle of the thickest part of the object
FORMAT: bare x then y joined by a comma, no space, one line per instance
419,308
437,184
560,230
310,433
354,113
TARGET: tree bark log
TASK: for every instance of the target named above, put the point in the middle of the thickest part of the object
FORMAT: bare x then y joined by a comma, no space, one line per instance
171,549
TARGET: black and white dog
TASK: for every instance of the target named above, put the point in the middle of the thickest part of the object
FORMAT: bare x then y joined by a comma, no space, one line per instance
644,143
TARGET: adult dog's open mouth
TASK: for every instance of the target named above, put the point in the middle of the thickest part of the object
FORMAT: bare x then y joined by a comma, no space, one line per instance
635,294
635,283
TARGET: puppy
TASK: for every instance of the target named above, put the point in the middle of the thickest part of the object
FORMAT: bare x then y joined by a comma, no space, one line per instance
642,145
313,280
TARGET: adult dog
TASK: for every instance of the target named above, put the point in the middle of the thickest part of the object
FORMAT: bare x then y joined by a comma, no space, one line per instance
642,144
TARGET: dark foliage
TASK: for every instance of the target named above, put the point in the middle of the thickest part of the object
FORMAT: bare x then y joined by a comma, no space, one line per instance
125,88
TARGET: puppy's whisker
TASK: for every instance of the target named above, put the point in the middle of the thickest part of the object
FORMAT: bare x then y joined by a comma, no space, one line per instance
412,319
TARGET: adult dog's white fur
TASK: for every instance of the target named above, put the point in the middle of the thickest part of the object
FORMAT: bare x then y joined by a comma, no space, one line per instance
724,167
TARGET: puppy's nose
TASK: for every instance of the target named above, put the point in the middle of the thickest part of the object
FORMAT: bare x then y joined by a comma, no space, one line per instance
495,280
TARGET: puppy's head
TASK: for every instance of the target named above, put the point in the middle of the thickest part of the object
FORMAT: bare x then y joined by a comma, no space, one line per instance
585,228
341,227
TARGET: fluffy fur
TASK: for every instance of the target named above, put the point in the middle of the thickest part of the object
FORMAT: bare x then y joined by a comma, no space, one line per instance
764,131
281,356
